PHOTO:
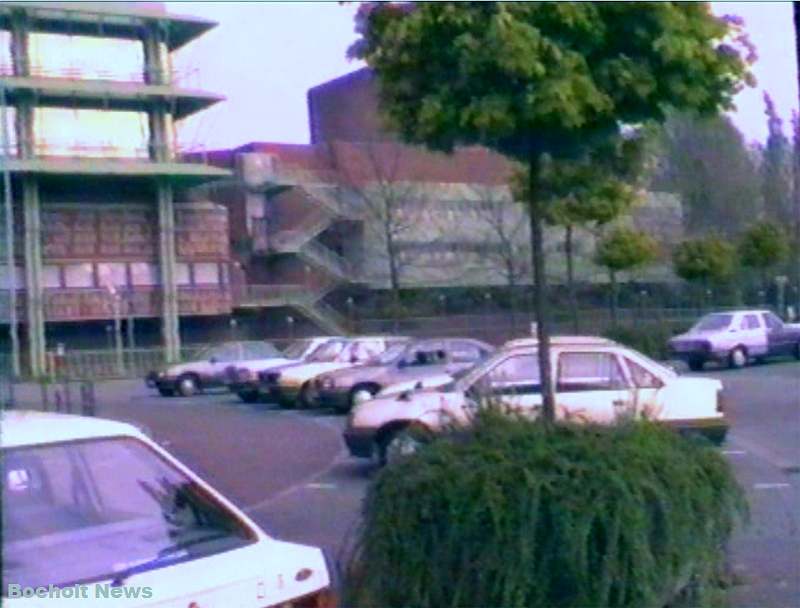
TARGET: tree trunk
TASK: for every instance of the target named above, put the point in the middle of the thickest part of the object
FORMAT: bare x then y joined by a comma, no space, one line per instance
394,280
540,290
613,284
573,298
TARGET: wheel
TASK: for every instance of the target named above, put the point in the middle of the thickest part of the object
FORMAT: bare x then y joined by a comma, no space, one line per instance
305,400
400,445
166,392
696,364
360,394
797,351
248,396
737,358
188,385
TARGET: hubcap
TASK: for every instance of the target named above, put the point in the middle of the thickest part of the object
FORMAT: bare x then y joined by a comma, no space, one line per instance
739,358
402,445
361,396
187,385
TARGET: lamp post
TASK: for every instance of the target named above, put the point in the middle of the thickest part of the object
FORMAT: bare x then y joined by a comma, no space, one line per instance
290,323
351,313
708,298
233,323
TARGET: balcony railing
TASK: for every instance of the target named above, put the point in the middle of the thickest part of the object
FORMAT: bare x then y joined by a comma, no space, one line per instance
186,78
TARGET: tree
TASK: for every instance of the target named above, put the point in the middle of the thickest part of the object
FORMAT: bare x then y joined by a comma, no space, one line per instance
544,81
705,161
704,261
762,247
796,164
776,168
392,206
505,239
624,249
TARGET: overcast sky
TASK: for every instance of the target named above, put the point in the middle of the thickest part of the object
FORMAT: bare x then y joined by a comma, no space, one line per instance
265,56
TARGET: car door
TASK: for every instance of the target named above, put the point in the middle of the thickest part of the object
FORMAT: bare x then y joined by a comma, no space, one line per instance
591,386
778,340
222,357
754,334
646,386
513,382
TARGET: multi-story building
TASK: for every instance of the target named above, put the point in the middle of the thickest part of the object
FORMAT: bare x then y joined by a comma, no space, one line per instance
356,210
89,100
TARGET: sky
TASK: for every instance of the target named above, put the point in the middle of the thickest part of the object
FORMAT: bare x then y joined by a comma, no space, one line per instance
264,57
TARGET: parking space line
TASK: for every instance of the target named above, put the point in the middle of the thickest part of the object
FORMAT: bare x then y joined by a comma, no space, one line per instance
734,452
770,486
321,486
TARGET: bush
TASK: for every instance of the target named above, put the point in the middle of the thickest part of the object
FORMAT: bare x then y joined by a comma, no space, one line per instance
650,339
520,514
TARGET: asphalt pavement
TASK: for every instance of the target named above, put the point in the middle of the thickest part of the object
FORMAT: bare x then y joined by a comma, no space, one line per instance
290,471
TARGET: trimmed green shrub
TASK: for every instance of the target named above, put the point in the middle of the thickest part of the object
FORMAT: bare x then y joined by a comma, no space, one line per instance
516,513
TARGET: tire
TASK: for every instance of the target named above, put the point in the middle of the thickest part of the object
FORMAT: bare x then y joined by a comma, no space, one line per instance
400,445
304,400
696,364
188,385
737,358
166,392
249,396
359,394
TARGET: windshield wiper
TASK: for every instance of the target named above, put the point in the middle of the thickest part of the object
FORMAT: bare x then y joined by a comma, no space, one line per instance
178,550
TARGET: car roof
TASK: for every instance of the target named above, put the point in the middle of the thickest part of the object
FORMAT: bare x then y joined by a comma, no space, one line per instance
21,428
739,311
562,341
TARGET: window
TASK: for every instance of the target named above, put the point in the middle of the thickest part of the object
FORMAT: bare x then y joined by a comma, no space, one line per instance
90,133
641,377
428,353
112,273
589,372
206,274
517,374
772,321
51,276
464,352
143,273
5,278
79,275
365,350
182,274
750,322
713,322
260,350
86,57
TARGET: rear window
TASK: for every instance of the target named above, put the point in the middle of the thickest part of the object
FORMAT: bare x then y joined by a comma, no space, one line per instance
714,322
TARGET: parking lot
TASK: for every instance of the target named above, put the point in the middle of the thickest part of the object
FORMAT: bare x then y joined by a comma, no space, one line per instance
290,470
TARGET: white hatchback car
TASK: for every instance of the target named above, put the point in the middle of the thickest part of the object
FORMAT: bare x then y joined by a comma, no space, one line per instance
96,514
596,380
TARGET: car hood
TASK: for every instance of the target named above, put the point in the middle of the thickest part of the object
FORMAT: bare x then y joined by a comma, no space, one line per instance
694,335
430,407
428,381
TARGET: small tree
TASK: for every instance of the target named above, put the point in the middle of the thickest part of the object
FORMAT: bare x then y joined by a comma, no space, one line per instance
540,81
622,250
762,247
704,261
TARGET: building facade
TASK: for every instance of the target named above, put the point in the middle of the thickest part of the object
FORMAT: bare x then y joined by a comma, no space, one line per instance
102,232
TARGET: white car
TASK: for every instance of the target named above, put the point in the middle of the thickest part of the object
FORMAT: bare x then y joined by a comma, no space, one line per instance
735,337
208,369
97,514
293,384
596,380
242,378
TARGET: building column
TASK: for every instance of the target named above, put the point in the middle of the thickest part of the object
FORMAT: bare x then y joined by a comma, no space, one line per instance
170,322
156,56
33,276
20,54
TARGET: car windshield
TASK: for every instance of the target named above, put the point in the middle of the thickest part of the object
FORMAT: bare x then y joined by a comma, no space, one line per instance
390,355
329,352
84,511
220,352
297,349
713,322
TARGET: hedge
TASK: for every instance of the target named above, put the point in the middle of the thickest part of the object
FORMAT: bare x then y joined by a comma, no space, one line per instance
517,513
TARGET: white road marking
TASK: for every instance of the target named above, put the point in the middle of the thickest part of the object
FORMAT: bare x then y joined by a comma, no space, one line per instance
770,486
321,486
734,452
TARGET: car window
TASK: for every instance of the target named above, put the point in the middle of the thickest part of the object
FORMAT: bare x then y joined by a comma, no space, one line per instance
713,322
116,496
426,353
227,353
751,322
464,352
772,321
259,350
297,349
363,350
641,377
589,372
516,374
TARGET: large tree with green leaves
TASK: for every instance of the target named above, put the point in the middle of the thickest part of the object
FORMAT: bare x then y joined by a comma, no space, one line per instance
544,81
624,249
704,262
762,248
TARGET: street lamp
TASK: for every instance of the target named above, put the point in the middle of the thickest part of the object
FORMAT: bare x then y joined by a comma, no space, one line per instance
290,323
442,301
351,312
232,323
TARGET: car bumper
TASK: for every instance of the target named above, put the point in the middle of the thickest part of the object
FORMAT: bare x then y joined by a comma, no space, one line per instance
285,395
336,399
154,380
713,429
360,442
698,355
247,386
